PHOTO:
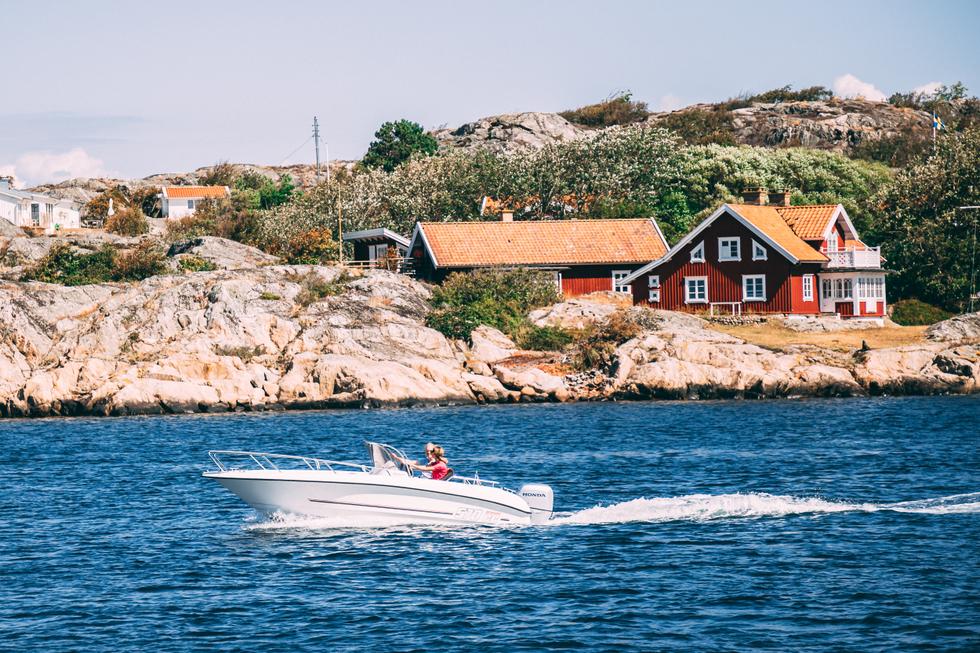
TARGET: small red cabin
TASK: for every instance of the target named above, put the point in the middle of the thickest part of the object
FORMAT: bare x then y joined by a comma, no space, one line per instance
583,255
767,258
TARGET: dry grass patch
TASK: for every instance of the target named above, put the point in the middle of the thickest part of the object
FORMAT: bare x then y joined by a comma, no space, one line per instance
773,335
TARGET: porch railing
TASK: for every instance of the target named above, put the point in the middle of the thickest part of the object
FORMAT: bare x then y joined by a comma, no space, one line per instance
853,257
403,266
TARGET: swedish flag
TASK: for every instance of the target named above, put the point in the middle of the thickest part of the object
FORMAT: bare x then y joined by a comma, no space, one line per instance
937,122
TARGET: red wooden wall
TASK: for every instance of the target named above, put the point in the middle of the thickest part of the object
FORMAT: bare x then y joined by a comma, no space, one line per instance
583,279
784,295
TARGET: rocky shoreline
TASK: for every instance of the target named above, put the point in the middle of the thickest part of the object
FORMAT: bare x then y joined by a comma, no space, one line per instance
254,335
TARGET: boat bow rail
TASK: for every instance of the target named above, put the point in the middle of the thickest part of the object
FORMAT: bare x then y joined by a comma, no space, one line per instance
226,460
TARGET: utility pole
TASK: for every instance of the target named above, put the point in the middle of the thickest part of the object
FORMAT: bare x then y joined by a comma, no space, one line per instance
316,144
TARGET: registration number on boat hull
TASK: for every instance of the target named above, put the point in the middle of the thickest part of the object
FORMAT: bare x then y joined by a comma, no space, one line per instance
470,513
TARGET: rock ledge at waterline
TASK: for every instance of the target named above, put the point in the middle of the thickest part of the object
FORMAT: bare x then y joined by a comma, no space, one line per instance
248,339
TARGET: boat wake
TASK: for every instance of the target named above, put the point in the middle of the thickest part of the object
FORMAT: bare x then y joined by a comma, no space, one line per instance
691,507
706,507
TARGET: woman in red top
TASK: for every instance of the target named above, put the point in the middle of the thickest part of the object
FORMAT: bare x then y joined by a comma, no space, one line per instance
438,465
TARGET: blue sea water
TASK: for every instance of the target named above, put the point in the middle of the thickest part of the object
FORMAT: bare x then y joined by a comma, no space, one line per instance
810,525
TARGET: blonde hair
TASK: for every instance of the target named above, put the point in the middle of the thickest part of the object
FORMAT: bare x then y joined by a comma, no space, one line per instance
439,453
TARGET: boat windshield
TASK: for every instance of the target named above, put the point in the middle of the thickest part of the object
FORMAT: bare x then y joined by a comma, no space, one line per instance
385,456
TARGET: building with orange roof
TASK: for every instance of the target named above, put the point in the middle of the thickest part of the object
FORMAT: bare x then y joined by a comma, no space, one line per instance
583,255
181,201
765,256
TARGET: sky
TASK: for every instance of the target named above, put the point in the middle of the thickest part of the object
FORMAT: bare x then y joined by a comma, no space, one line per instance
131,89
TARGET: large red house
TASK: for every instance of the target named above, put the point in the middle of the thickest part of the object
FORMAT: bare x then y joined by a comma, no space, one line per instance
583,255
765,256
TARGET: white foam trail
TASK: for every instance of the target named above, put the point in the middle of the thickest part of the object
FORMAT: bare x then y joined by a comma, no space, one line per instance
691,507
954,504
283,521
705,507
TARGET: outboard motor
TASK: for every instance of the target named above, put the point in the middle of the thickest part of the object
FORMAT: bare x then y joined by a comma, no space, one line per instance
541,499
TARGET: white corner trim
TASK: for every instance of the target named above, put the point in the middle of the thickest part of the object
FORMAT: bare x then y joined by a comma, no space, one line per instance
840,212
419,233
661,234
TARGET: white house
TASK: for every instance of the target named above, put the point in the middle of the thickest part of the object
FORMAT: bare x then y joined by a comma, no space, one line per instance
181,201
27,209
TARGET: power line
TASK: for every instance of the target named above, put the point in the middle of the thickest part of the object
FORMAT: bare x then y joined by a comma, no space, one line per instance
302,145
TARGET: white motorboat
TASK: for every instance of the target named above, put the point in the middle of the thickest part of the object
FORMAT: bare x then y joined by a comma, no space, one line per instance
386,492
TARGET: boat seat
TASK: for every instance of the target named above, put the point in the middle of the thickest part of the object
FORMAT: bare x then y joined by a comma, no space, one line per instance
449,474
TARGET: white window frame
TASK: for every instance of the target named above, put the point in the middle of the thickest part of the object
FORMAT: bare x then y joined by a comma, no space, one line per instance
653,288
827,288
759,253
724,254
617,287
808,282
746,279
688,299
697,254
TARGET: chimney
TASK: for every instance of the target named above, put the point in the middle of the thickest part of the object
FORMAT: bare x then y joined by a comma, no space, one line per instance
757,196
779,197
506,216
6,183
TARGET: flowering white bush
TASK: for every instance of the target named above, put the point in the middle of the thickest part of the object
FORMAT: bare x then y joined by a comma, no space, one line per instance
633,171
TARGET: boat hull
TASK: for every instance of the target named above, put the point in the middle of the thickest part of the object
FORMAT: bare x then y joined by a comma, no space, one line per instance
355,498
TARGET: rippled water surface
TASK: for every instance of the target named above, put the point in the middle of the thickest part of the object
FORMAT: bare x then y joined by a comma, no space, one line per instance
790,525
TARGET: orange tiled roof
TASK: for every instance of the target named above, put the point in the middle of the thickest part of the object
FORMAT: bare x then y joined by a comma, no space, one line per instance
809,222
193,192
543,242
768,220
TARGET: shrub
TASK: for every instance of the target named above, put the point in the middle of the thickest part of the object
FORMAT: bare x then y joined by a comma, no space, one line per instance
620,109
313,247
896,150
146,260
148,199
272,194
64,266
496,298
546,338
196,264
596,345
702,126
220,174
128,222
912,312
313,287
787,94
244,352
267,296
224,218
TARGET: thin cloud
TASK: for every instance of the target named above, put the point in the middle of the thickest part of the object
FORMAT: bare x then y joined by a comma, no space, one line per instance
927,89
850,86
44,166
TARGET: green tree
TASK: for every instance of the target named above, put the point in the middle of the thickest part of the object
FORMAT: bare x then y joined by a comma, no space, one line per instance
272,194
924,237
396,142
